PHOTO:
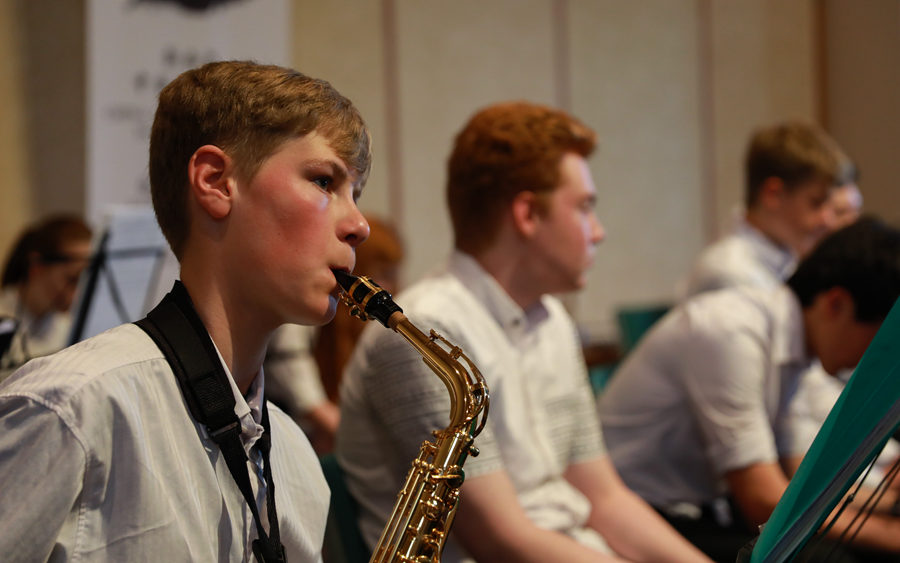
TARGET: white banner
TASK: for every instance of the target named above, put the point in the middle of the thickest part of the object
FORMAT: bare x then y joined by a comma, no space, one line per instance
134,48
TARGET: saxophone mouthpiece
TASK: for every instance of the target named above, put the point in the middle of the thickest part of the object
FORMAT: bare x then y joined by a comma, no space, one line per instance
366,298
344,279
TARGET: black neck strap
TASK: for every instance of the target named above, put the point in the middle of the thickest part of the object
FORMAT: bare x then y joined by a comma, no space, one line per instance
179,333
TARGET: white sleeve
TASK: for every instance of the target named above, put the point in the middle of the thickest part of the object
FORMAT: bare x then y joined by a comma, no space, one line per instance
724,379
42,470
291,373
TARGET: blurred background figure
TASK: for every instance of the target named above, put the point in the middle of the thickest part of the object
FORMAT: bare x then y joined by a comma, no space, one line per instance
378,258
39,282
304,363
791,170
293,383
846,201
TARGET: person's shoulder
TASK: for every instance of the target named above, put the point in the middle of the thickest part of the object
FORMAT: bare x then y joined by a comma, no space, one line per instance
286,431
729,255
440,301
119,346
727,263
60,377
433,292
737,308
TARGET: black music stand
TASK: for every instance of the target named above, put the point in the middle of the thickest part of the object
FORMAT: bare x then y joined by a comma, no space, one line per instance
131,268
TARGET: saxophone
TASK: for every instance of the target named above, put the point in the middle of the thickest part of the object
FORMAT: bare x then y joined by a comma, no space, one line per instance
425,507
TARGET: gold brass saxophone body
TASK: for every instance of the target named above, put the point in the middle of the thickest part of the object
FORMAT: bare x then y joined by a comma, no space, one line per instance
423,514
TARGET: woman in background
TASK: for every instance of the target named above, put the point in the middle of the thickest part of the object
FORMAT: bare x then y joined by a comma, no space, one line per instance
39,281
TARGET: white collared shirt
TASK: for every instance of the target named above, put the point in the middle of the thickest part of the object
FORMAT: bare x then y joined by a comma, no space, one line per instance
101,461
706,391
542,417
745,258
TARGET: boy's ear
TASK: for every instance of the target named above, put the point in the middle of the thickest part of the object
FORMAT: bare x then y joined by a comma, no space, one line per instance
771,192
525,212
839,303
210,177
35,264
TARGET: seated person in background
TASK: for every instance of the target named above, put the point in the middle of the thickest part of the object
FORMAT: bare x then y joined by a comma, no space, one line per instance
39,283
254,174
798,186
379,258
790,171
293,383
699,414
521,203
303,363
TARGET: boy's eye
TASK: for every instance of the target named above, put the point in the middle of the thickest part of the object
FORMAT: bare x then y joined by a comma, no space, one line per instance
323,181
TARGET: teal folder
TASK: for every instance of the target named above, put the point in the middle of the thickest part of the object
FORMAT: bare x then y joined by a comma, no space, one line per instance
861,421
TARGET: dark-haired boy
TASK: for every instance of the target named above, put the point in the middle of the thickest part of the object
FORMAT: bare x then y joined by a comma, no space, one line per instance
254,173
698,419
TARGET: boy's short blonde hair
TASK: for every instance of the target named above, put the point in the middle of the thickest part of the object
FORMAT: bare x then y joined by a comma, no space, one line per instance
248,110
795,152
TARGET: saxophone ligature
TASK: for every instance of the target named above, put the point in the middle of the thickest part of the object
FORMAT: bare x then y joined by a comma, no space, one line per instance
425,507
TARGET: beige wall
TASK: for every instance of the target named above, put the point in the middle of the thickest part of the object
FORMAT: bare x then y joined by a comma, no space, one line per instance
42,135
636,78
673,88
762,68
15,204
863,102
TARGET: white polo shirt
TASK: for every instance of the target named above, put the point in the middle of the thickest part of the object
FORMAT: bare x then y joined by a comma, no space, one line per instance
745,258
542,416
707,390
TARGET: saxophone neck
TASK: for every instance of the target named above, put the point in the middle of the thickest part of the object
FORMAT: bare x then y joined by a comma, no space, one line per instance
427,503
469,397
468,391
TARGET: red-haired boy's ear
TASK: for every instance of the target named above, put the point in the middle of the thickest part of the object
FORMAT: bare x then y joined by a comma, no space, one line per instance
525,212
210,179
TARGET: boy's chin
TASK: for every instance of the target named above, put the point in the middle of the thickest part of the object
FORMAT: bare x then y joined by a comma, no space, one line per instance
316,317
329,313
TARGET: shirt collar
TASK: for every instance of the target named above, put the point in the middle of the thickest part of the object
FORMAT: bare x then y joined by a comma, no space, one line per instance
249,409
508,314
776,258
